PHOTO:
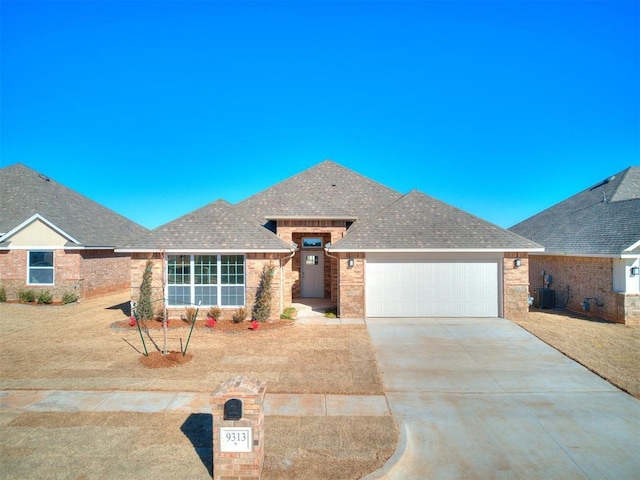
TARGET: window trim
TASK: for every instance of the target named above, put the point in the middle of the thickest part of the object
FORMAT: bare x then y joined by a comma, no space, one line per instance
219,286
52,268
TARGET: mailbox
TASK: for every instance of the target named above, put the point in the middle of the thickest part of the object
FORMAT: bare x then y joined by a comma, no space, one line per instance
232,409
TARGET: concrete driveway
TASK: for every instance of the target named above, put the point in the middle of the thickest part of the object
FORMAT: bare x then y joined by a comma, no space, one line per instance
483,398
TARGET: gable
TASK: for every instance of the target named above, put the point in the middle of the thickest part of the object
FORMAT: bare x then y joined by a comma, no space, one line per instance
36,233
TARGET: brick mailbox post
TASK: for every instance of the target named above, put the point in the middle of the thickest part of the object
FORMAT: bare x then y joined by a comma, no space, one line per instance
238,424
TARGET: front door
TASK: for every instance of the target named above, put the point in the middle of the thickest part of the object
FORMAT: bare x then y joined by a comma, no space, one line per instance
312,273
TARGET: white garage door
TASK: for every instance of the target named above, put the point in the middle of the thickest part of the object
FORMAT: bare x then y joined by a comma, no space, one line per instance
428,288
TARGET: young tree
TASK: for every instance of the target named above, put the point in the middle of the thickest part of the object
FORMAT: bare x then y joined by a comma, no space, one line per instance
262,305
145,304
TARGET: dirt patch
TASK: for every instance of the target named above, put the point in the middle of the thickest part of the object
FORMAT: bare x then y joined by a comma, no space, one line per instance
611,350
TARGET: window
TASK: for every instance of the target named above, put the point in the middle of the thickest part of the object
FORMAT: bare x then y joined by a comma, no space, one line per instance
40,269
314,242
208,280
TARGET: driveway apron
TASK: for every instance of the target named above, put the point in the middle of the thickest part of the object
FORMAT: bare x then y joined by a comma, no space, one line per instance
482,398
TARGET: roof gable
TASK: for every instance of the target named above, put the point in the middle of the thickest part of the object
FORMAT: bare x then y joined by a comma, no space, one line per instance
26,193
601,220
218,226
417,222
327,190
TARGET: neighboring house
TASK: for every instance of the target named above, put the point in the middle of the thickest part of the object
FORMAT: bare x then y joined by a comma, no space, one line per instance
52,238
592,249
331,233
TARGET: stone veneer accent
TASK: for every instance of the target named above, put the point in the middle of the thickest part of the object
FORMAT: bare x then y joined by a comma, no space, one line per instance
239,465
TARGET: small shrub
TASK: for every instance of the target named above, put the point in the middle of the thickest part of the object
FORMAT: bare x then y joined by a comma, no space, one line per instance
45,297
190,315
331,312
3,295
214,312
239,315
69,297
160,314
288,313
27,296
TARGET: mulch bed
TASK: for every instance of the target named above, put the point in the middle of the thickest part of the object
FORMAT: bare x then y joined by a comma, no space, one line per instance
158,360
223,326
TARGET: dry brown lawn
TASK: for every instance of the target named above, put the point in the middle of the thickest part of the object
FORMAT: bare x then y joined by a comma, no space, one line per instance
609,349
76,347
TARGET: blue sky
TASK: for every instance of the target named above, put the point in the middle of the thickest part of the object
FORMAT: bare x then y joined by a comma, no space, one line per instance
155,108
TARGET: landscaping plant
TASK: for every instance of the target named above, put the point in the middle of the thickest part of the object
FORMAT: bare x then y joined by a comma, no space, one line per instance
3,294
69,297
262,306
27,296
45,297
144,309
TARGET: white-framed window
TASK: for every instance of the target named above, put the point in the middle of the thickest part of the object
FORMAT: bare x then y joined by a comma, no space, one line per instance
207,280
40,268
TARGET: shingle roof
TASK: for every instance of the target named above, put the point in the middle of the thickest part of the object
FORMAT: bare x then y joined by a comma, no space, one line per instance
217,226
327,190
601,220
26,193
419,222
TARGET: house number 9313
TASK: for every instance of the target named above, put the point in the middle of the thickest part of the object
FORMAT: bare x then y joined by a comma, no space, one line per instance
235,439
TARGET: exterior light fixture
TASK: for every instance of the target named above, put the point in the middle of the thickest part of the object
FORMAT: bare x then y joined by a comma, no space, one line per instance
517,262
351,262
635,271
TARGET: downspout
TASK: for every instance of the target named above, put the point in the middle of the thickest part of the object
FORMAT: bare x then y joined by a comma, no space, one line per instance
293,252
337,259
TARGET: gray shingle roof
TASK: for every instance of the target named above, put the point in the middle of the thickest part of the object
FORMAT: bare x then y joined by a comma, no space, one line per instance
25,192
217,226
327,190
601,220
419,222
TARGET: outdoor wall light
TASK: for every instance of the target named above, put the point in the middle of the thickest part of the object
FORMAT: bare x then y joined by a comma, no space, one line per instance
351,262
635,271
517,262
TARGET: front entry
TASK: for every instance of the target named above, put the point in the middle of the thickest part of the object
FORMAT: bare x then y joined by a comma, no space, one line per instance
312,272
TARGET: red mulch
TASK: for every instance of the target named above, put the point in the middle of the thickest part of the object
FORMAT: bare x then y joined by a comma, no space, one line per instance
223,326
171,359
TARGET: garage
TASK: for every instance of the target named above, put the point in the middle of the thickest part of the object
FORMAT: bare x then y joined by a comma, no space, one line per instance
432,286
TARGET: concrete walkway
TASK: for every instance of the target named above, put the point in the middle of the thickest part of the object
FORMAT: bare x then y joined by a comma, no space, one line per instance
189,402
483,398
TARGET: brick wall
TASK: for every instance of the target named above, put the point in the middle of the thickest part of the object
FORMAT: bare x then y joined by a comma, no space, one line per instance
83,272
585,277
352,293
515,304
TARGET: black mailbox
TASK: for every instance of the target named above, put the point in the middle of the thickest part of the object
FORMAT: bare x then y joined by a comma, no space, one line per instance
233,409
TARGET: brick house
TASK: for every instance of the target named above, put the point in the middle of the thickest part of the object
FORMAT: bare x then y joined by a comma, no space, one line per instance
329,232
52,238
592,250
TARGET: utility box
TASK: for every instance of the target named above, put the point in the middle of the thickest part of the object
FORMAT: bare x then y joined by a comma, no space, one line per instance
544,298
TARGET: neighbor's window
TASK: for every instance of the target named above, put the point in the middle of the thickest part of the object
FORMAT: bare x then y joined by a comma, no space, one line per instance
40,268
207,280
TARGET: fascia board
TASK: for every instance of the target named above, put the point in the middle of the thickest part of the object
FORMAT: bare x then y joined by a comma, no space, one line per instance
201,250
590,255
32,219
433,250
632,247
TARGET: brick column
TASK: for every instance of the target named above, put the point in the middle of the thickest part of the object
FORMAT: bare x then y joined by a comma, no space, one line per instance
235,455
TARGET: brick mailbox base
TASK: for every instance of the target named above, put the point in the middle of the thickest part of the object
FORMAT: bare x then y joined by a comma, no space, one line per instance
238,424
